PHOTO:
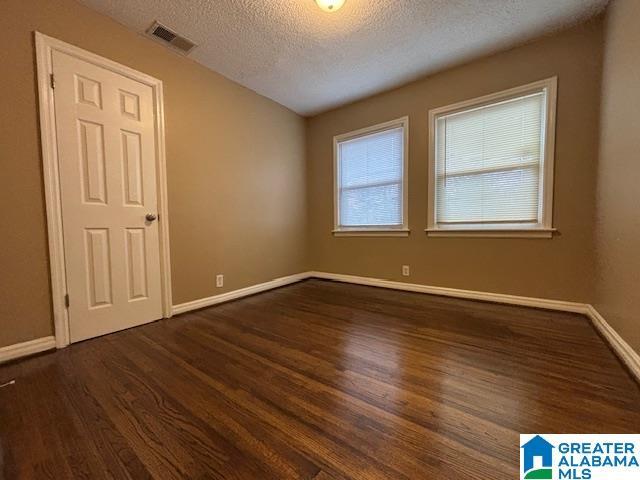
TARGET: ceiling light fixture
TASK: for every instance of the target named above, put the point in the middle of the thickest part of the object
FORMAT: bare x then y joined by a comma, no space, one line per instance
330,5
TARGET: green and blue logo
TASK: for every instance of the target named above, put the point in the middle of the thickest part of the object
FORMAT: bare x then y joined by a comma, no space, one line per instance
580,457
537,459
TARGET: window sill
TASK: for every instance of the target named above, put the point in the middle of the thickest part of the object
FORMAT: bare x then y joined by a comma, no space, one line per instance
492,232
370,232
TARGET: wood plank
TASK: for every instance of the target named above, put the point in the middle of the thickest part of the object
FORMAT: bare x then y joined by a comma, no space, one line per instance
317,380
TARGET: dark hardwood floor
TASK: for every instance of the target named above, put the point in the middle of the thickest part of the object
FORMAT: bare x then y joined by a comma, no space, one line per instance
317,380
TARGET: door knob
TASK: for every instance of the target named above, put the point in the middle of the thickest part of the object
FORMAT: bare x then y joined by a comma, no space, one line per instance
150,217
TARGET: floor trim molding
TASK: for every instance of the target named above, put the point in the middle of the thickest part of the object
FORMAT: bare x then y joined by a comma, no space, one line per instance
457,293
622,349
234,294
24,349
627,355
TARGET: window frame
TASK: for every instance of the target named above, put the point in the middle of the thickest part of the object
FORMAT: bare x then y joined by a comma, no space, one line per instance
544,227
373,230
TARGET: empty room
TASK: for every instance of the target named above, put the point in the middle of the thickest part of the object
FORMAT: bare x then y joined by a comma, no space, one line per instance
320,239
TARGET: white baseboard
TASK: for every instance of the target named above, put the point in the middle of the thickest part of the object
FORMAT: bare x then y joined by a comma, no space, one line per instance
457,293
621,348
243,292
624,351
18,350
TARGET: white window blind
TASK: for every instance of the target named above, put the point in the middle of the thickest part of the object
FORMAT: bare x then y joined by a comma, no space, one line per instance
370,180
489,163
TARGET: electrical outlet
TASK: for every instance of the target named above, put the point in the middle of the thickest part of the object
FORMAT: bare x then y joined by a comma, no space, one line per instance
405,271
219,281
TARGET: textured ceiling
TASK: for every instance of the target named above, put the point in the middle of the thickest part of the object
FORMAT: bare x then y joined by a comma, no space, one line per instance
311,61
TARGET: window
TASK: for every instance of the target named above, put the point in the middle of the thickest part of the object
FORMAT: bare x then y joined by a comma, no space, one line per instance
370,180
491,164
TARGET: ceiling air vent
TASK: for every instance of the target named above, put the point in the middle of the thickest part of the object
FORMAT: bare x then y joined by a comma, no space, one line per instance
159,32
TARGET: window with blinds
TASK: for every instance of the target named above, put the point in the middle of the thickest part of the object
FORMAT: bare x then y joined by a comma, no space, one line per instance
370,176
489,163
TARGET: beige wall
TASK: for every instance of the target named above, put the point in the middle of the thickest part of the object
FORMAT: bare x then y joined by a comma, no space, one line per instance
235,160
618,202
243,202
561,268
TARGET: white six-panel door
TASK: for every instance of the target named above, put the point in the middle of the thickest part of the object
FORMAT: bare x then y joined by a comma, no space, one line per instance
107,165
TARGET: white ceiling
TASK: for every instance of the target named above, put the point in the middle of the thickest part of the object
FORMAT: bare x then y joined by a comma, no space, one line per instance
311,61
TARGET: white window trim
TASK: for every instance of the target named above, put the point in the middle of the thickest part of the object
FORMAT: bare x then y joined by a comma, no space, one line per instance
374,230
542,230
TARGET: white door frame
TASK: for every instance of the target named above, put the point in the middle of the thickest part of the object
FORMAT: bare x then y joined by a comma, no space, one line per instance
44,47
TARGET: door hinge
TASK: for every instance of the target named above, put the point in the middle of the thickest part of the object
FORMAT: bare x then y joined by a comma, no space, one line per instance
52,81
66,300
